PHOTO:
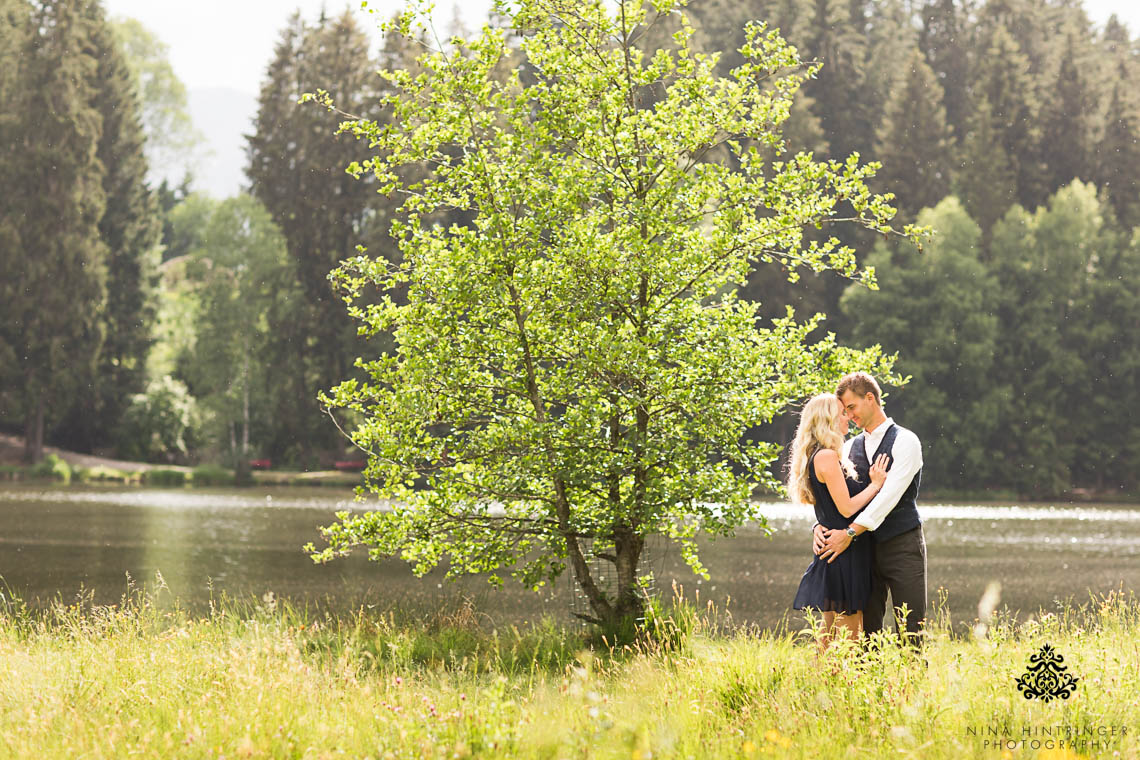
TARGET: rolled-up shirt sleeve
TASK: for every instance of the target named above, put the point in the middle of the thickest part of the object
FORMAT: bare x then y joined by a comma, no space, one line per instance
906,456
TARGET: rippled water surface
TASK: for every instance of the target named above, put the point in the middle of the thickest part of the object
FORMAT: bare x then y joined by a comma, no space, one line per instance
54,543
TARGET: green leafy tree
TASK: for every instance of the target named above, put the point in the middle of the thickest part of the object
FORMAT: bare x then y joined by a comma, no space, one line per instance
160,424
1042,262
937,309
172,142
53,262
240,271
1105,331
719,27
574,371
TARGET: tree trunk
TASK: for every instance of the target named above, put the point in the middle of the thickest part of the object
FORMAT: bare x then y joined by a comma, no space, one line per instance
300,426
627,601
627,552
34,432
233,444
242,474
601,607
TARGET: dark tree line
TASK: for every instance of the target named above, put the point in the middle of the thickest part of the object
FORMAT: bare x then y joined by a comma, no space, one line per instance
1017,321
1011,126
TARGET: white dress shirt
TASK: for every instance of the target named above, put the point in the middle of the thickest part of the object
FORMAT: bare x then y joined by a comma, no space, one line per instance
906,461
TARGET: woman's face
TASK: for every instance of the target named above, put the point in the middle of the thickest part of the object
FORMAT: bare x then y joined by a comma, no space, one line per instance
841,422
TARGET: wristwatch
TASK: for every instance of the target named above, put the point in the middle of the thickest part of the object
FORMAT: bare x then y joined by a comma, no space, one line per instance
851,532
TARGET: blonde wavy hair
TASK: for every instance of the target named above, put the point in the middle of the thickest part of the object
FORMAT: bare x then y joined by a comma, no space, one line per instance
815,432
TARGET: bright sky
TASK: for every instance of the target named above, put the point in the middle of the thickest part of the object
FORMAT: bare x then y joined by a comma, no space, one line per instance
229,43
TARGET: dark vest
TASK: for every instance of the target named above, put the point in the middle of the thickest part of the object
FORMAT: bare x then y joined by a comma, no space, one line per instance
904,516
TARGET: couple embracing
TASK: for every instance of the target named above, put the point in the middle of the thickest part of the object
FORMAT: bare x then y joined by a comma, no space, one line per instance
868,537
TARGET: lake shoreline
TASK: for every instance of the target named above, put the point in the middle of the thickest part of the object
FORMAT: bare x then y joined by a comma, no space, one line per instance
103,470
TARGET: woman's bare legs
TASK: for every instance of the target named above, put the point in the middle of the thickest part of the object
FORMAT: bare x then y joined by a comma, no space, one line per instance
847,625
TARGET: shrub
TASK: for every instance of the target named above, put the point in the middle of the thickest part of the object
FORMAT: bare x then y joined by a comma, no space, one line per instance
101,475
50,468
165,478
159,424
212,475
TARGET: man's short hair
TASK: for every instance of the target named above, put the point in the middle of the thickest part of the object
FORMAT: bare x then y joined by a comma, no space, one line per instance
859,383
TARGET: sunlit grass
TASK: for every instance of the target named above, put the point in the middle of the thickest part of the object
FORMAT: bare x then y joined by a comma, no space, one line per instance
264,679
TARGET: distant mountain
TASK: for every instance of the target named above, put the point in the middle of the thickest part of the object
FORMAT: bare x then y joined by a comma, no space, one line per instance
224,115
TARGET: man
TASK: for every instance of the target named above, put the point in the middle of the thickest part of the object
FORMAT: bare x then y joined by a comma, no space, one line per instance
892,516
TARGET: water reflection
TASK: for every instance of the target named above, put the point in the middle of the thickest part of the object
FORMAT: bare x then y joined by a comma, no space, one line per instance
53,542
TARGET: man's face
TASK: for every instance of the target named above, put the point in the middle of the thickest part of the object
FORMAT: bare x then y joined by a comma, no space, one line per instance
861,409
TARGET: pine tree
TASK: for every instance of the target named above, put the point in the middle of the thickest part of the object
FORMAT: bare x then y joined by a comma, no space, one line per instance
1065,124
1118,155
1006,86
297,170
914,141
891,39
945,39
168,197
54,265
14,28
129,227
276,154
985,179
838,43
1033,25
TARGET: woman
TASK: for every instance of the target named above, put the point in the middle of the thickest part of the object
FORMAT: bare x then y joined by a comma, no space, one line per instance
819,474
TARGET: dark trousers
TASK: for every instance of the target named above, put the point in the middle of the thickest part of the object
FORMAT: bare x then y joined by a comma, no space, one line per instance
900,568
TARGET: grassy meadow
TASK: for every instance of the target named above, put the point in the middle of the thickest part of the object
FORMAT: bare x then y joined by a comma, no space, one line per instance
146,678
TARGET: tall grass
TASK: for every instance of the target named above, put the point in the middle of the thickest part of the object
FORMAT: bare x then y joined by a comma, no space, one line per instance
262,678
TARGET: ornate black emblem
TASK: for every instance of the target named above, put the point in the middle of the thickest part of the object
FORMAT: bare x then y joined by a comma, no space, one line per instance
1046,678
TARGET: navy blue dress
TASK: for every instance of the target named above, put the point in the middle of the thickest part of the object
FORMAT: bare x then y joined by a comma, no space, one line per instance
845,584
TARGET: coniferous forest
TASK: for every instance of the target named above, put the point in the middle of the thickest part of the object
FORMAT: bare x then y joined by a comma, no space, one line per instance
150,322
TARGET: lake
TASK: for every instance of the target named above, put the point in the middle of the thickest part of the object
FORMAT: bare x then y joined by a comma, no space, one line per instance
57,542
